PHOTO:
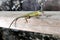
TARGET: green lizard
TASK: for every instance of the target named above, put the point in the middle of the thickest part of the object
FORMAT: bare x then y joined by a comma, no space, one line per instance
27,16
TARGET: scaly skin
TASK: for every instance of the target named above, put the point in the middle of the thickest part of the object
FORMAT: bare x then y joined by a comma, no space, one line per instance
33,14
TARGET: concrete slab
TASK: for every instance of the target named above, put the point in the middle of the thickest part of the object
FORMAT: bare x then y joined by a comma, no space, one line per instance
50,25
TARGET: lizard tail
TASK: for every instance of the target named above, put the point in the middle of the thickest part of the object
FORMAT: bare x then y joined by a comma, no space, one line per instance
13,21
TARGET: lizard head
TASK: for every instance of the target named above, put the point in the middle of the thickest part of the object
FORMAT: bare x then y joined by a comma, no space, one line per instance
38,13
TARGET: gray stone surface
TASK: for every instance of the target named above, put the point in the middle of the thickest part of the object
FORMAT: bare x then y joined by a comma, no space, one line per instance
11,34
50,25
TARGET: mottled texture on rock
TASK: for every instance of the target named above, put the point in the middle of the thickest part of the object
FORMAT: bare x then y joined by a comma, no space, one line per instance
10,34
19,5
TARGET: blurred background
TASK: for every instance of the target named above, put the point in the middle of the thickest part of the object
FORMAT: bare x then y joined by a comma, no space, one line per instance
29,5
10,34
19,5
52,5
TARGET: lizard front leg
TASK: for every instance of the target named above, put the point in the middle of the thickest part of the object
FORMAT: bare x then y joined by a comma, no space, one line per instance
27,18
